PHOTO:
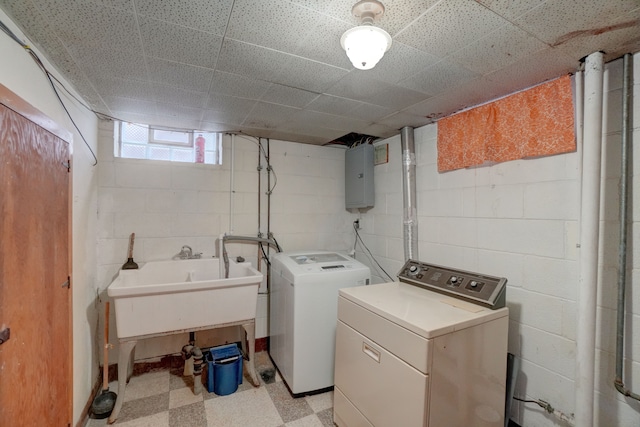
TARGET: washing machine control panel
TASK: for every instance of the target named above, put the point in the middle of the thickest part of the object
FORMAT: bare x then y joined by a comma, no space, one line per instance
488,291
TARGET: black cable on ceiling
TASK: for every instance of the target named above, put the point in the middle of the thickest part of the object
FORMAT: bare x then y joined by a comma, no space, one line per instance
50,78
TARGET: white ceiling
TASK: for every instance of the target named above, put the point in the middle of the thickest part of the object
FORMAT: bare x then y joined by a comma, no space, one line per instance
275,68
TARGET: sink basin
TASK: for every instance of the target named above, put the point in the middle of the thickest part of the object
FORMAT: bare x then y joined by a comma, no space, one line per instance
166,297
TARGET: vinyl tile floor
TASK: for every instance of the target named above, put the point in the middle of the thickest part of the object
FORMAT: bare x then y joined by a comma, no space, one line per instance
164,398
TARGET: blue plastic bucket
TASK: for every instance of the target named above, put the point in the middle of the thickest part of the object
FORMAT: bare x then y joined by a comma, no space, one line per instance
224,365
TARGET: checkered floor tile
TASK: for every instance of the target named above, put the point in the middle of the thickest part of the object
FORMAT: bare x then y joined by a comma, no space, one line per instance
164,398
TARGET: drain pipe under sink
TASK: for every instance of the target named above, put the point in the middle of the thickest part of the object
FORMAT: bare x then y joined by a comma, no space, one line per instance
410,218
189,351
589,240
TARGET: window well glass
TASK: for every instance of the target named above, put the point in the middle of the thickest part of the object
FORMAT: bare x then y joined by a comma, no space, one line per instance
139,141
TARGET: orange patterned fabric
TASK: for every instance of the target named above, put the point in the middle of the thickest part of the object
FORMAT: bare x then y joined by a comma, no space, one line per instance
535,122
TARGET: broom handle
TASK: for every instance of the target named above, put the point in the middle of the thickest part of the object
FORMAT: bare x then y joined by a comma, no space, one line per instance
105,367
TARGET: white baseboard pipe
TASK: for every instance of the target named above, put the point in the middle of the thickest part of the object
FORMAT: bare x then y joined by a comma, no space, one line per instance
589,239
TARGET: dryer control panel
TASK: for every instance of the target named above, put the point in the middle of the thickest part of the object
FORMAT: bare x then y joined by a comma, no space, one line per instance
481,289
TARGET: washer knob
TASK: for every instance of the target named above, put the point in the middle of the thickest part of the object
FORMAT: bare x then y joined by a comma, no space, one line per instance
413,270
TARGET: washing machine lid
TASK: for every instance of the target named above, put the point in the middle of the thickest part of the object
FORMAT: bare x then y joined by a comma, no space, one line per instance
325,260
297,265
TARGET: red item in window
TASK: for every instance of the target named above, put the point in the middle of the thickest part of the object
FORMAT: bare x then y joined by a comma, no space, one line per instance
200,149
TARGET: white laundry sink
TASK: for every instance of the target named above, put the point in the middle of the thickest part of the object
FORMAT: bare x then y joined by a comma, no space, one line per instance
182,295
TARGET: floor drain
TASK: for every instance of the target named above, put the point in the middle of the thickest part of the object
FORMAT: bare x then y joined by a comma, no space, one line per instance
268,375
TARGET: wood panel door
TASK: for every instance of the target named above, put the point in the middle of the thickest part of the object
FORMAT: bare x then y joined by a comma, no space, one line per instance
35,296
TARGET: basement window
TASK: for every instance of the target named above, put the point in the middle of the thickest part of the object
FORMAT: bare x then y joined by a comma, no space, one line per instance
138,141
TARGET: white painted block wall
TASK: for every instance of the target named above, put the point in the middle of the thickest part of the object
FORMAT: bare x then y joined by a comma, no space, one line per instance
519,220
169,205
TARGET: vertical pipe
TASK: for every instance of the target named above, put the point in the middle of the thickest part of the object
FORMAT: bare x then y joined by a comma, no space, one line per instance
589,239
232,189
622,249
259,263
410,220
269,235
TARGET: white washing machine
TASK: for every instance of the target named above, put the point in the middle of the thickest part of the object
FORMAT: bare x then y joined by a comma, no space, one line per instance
303,314
427,351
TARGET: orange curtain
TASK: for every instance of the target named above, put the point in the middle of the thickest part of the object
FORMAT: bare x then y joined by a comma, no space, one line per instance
535,122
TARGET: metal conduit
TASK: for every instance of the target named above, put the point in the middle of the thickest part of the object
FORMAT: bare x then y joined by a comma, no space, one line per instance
622,248
410,219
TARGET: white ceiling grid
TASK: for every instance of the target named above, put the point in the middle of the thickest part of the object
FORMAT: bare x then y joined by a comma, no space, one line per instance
276,68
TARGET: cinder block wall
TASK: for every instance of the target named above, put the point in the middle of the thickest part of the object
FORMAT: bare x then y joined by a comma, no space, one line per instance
520,220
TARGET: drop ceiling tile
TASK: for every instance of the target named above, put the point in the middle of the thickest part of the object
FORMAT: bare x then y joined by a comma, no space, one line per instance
334,105
333,8
203,15
399,13
541,66
101,64
268,116
511,9
357,85
79,83
498,49
290,96
276,24
371,112
129,105
450,26
251,61
330,121
118,4
401,61
438,78
395,97
222,117
322,43
402,119
376,129
95,26
308,75
176,122
466,95
557,21
178,111
230,104
183,76
623,37
312,130
176,96
119,87
29,19
109,62
180,44
237,85
217,127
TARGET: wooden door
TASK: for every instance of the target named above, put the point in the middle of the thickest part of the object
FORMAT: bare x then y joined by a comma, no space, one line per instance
35,297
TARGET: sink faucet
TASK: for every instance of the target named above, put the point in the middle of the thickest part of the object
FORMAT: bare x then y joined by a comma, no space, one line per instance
187,253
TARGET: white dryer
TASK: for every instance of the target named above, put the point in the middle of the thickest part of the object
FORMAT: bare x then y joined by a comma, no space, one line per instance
303,314
427,351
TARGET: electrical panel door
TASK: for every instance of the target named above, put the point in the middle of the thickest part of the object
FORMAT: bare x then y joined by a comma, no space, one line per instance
359,191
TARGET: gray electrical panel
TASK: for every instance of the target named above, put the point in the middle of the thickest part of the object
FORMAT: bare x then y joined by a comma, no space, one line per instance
358,174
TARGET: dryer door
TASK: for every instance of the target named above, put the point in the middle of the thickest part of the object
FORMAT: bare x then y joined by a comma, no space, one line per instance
385,389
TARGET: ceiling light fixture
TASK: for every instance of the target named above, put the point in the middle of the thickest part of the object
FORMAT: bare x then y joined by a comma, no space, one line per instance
365,44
